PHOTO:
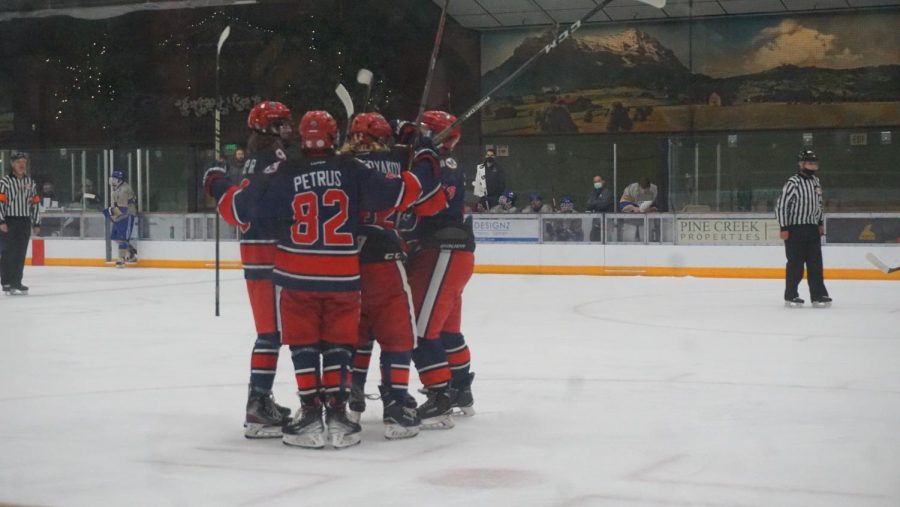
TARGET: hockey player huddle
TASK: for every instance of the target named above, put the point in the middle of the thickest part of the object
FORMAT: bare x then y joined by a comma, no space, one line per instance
345,247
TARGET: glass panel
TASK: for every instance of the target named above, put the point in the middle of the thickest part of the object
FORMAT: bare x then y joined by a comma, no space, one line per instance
565,228
625,229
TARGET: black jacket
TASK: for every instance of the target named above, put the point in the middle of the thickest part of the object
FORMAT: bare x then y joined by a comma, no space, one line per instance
600,201
495,180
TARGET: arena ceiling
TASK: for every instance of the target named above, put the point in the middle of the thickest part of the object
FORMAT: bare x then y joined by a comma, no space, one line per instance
489,14
475,14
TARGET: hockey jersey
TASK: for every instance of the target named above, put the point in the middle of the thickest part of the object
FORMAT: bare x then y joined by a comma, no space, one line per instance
448,228
322,199
378,232
259,235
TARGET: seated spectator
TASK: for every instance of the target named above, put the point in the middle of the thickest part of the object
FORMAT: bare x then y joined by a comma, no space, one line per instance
601,198
564,229
566,205
507,203
537,205
639,197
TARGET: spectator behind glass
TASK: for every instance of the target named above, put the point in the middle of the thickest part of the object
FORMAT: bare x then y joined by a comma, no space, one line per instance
48,192
236,164
88,195
566,205
601,198
639,197
495,180
537,205
506,203
564,229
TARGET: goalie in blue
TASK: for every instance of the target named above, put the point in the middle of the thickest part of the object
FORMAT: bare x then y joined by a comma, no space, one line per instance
123,206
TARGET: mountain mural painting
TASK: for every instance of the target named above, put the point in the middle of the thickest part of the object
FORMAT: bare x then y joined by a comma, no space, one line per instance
745,74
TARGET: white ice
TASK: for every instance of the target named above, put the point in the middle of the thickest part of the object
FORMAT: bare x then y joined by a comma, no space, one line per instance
120,387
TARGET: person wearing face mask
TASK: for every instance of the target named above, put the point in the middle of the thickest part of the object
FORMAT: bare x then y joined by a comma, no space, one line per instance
495,180
799,213
601,198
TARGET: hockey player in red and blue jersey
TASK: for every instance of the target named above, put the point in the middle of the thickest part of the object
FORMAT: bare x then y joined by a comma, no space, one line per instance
270,125
439,267
387,310
316,270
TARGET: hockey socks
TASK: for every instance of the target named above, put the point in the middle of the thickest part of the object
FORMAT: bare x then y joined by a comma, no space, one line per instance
395,374
306,369
263,362
362,356
431,362
335,371
458,357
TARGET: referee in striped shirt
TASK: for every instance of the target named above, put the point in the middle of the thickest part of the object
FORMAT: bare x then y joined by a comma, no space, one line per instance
799,213
19,215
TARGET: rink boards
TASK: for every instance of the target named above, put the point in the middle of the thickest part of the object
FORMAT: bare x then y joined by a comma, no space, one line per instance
725,261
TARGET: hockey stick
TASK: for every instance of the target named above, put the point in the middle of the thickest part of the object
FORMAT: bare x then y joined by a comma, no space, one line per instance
364,77
659,4
429,76
878,263
218,150
344,95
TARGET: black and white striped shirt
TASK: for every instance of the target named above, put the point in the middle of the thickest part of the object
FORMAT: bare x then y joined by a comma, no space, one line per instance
19,198
800,202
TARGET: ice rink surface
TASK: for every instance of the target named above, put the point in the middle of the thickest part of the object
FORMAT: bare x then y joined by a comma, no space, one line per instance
120,387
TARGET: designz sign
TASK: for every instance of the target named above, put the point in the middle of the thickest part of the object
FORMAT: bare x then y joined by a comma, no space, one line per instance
525,230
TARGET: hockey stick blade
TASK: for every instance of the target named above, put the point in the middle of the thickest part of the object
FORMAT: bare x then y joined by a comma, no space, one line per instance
345,99
659,4
344,96
878,263
364,77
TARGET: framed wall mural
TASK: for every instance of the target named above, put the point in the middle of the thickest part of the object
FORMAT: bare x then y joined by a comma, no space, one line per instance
826,71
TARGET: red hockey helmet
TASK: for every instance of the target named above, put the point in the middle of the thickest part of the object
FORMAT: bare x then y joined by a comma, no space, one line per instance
438,121
318,131
266,117
371,124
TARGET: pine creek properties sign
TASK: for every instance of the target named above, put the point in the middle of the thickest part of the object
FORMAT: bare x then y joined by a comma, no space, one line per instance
740,231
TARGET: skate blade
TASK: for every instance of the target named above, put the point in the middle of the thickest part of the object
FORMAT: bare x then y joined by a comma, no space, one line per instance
788,304
17,292
463,411
441,422
256,430
344,440
821,305
306,440
396,432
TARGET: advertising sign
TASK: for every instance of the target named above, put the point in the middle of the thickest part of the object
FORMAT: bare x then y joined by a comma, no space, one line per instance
742,231
503,228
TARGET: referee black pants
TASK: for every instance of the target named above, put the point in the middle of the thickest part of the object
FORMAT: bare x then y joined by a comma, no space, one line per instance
15,246
804,246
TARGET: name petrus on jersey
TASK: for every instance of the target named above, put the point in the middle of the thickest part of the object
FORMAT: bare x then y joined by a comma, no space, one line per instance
323,178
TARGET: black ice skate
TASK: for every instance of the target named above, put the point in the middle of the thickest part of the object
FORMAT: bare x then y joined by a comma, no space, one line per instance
132,255
435,412
400,421
342,432
7,288
462,400
264,417
821,302
793,302
306,429
357,404
18,290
